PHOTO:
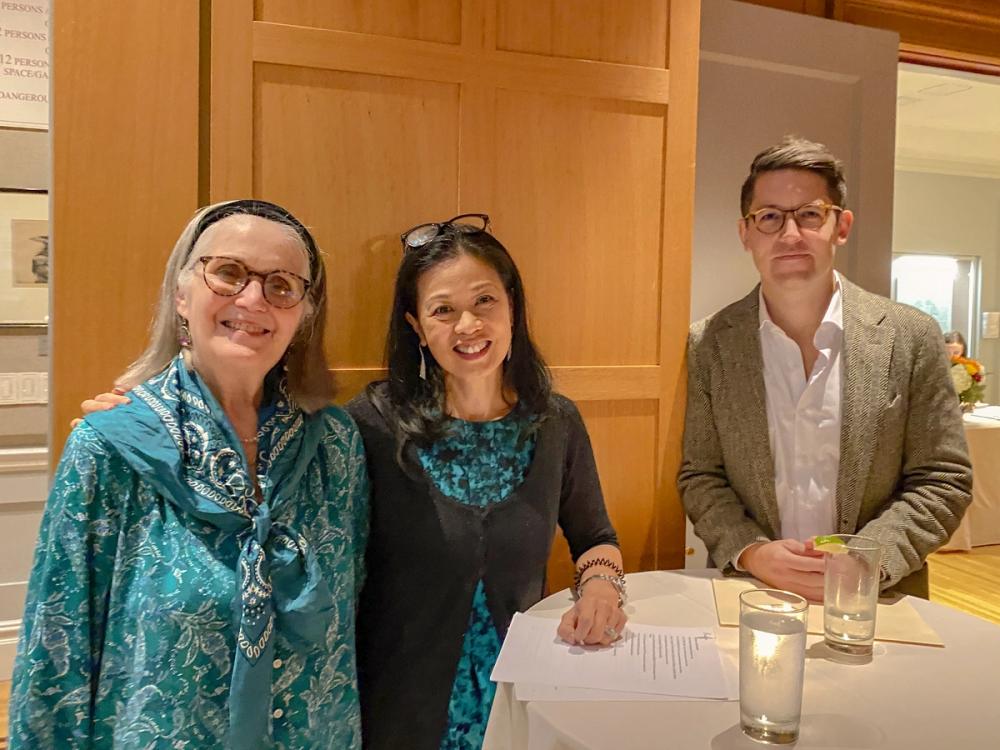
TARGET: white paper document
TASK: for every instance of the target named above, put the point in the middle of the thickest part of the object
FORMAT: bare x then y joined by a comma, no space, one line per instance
525,691
646,659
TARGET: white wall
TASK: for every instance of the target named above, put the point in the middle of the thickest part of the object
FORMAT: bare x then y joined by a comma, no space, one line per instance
23,488
24,163
953,215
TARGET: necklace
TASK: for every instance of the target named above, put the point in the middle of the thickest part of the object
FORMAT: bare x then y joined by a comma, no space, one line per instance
249,440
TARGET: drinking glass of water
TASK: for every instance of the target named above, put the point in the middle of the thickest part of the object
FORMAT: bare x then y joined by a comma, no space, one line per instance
772,662
850,593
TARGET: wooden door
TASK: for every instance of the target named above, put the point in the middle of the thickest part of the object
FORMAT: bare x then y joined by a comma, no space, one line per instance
571,124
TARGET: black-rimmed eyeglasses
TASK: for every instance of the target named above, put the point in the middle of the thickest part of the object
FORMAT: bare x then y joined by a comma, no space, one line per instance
771,220
227,277
422,234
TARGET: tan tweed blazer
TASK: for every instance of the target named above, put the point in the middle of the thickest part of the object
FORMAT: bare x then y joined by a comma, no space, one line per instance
904,477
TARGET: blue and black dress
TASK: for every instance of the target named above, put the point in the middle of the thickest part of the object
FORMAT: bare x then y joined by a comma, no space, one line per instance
461,532
478,464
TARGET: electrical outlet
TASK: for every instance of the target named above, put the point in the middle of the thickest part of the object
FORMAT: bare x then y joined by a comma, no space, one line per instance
991,325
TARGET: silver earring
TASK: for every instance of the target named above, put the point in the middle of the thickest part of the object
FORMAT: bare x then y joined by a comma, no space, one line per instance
509,352
423,364
184,335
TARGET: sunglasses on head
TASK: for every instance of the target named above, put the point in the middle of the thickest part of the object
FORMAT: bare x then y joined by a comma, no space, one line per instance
422,234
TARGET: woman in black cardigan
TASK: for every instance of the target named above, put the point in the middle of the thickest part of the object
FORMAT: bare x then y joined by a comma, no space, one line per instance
473,462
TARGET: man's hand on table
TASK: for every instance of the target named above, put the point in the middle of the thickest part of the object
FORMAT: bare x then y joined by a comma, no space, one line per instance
787,564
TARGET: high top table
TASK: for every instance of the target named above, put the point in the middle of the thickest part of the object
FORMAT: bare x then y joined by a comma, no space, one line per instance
908,697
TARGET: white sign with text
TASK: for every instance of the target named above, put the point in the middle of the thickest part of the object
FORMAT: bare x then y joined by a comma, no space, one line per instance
24,64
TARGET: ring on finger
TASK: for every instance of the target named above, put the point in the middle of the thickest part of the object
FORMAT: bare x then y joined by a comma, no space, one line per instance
610,632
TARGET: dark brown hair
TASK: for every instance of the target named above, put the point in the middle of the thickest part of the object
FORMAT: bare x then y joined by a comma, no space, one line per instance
955,337
797,153
419,404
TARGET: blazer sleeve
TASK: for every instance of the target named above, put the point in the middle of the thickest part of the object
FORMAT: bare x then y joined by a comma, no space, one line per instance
583,516
59,653
936,483
718,514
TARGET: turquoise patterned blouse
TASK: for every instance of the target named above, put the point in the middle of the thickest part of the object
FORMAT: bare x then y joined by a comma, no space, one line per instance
132,631
478,463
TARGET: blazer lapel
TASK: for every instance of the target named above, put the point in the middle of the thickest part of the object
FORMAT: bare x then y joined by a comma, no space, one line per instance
740,347
865,383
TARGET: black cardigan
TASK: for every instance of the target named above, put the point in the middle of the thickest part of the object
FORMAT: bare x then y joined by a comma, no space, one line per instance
427,552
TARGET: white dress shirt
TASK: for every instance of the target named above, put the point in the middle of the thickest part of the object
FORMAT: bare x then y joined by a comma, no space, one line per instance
803,421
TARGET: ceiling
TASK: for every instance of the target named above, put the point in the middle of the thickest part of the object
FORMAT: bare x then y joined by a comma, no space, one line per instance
947,122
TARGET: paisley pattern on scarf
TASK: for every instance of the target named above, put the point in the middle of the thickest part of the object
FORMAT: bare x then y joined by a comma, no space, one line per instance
478,463
168,609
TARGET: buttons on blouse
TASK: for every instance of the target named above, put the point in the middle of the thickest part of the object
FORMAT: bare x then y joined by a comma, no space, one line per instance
277,713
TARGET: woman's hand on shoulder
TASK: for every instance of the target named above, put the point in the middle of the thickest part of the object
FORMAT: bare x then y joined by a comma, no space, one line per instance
102,402
595,619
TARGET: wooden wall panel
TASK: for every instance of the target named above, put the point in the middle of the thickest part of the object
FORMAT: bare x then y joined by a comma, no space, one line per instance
623,434
809,7
956,28
428,20
580,210
125,156
971,26
366,134
633,32
678,229
362,158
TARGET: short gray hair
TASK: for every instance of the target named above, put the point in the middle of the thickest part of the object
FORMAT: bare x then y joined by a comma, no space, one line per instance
310,382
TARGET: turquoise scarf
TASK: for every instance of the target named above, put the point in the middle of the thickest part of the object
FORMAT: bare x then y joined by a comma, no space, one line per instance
179,440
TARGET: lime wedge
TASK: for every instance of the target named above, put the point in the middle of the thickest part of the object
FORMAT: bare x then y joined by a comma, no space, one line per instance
829,543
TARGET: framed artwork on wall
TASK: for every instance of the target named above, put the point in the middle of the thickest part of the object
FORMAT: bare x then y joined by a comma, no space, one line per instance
24,258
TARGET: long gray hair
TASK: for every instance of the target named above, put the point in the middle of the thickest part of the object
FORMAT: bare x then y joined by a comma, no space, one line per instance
310,383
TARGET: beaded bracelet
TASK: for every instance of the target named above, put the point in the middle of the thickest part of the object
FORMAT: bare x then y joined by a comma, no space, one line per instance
603,561
618,580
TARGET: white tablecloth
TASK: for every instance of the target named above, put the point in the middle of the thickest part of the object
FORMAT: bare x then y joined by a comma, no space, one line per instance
981,524
908,697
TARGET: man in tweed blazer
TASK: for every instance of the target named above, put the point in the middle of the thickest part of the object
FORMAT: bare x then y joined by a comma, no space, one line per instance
815,407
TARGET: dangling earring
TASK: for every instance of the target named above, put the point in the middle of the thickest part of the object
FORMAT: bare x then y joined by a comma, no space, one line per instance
184,335
509,353
423,364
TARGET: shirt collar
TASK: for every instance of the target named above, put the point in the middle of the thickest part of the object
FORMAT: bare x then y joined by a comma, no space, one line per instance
833,318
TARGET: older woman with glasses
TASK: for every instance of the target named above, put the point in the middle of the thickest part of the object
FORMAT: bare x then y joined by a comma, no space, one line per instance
474,461
202,547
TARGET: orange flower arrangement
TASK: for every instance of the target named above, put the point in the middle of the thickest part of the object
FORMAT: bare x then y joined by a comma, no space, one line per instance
969,379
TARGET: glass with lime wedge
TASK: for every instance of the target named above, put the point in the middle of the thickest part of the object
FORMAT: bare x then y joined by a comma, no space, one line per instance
850,591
